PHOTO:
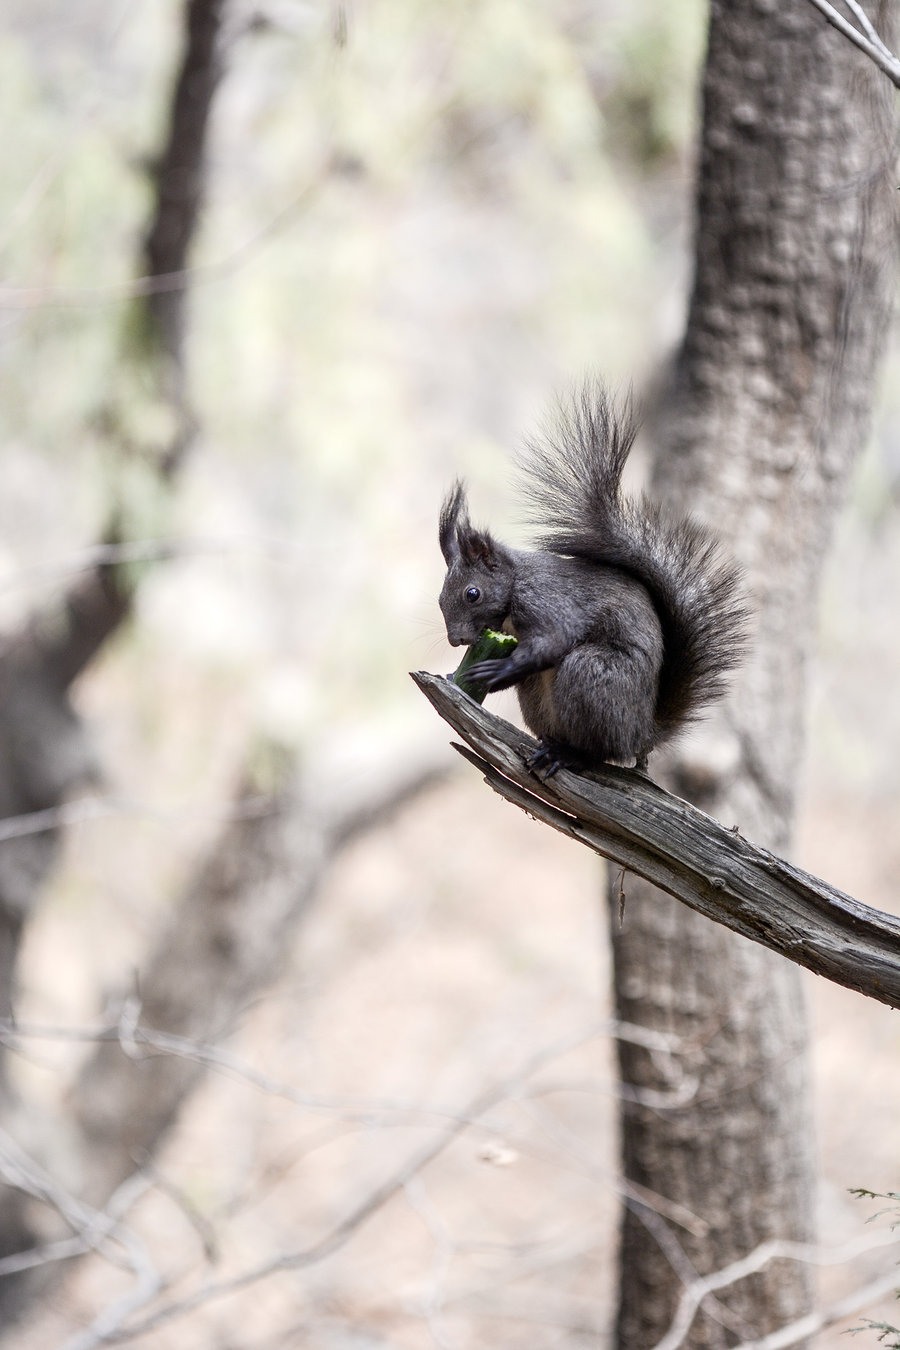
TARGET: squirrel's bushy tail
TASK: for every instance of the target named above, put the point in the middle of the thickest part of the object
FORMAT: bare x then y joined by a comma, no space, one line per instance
573,484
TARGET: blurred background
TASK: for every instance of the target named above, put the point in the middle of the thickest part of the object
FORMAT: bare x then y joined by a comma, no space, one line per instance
423,221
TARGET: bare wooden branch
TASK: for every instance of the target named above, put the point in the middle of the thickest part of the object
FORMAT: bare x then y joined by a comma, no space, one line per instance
631,820
864,37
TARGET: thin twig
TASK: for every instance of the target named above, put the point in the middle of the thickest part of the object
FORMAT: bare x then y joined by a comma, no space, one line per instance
368,1111
873,47
866,25
32,297
83,810
54,570
338,1236
778,1250
94,1230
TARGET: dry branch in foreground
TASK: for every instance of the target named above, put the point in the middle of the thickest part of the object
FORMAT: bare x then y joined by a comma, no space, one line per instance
631,820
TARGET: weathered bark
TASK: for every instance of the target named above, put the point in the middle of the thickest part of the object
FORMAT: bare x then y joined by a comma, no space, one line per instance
769,402
632,821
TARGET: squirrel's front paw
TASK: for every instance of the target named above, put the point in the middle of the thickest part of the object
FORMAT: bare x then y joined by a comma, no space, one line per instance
495,673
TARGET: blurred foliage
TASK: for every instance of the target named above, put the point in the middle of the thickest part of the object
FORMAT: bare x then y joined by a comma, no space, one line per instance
424,218
649,119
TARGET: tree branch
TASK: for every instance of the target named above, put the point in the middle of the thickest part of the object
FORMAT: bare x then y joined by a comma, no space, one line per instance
775,1250
179,177
631,820
866,40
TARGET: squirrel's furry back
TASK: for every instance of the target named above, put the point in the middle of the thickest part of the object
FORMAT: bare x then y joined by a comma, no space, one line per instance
573,484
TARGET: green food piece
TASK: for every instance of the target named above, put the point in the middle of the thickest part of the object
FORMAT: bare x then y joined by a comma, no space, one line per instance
488,645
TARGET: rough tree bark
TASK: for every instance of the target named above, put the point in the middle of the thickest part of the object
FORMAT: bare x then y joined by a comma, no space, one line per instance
769,402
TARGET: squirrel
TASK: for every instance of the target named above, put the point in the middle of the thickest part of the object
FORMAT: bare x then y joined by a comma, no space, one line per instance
627,620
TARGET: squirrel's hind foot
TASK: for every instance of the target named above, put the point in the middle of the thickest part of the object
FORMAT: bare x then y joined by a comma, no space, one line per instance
551,756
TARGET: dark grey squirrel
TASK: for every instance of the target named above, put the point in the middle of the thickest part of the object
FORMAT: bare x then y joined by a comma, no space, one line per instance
628,621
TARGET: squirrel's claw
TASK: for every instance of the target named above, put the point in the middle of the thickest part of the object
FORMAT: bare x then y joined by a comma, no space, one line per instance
494,673
549,758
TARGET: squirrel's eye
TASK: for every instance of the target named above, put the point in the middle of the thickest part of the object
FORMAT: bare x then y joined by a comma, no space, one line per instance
472,594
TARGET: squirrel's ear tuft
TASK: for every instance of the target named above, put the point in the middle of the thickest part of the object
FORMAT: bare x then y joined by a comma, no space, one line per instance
460,541
454,518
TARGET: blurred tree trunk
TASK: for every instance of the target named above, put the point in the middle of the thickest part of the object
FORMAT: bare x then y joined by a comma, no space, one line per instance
45,754
768,404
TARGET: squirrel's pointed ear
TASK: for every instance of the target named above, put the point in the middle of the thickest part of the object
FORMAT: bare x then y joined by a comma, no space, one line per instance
459,539
454,514
479,548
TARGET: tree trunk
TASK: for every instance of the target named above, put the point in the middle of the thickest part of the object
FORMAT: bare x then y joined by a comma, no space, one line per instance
45,753
768,403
